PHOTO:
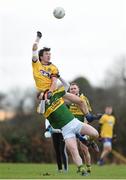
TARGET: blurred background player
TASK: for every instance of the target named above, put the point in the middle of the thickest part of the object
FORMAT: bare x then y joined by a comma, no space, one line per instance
106,126
59,146
74,89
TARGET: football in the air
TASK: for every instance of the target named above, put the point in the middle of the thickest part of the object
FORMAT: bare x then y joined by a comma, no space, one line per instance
59,12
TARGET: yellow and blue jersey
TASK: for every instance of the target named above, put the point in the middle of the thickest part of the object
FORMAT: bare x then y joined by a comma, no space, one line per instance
107,123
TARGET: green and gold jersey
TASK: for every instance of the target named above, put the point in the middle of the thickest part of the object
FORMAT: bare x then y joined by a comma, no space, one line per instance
56,111
76,110
42,75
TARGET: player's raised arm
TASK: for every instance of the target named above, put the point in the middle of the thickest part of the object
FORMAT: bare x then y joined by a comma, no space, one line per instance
64,83
35,47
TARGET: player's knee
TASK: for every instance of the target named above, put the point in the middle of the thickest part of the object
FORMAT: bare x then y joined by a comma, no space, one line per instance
95,133
109,149
71,148
74,152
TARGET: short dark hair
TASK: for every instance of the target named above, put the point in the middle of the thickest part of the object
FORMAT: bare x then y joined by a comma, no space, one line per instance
74,83
41,51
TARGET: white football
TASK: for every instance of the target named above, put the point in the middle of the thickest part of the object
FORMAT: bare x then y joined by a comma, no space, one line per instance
59,12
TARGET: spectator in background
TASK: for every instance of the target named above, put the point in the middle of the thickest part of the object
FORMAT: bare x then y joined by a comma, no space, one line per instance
106,125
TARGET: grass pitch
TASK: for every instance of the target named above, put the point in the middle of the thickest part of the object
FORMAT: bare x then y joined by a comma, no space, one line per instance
48,171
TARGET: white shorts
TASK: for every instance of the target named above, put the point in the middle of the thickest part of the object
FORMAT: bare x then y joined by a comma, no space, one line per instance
72,128
107,144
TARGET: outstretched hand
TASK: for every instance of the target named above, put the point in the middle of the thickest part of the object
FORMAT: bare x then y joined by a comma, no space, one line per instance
39,34
91,117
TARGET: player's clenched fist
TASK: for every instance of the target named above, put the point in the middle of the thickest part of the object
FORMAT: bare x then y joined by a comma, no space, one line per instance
39,34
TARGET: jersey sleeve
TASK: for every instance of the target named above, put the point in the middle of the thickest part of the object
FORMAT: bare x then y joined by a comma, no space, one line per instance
101,121
88,104
35,64
84,98
114,120
55,71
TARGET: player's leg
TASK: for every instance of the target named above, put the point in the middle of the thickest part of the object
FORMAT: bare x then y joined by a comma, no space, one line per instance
71,145
63,152
107,148
88,141
87,156
56,142
89,130
106,151
92,132
69,133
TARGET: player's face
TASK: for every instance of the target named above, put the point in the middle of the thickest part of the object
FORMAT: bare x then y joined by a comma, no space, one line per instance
108,110
46,56
74,89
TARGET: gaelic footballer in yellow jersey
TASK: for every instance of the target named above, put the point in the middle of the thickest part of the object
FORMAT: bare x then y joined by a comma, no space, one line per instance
107,122
76,111
85,141
74,89
44,72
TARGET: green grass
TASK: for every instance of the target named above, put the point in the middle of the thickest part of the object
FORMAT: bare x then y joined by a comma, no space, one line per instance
36,171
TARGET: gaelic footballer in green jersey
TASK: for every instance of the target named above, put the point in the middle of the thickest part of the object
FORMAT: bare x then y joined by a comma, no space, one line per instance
56,111
60,117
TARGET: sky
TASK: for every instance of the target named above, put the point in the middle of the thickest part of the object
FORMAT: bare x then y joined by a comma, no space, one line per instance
85,42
